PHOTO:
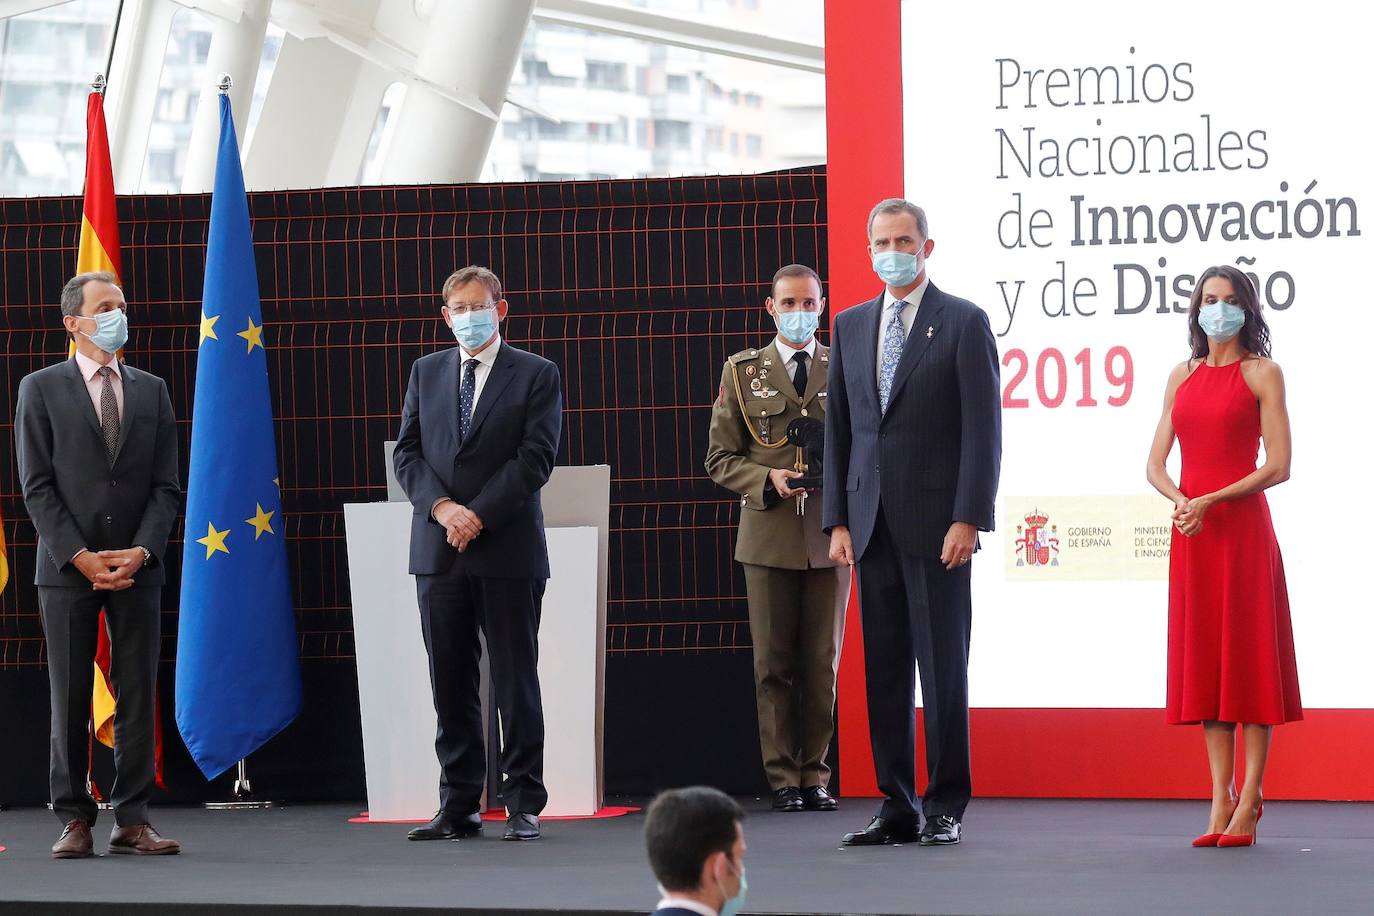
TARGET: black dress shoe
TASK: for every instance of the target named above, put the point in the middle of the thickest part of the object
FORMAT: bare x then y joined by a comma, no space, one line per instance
881,831
816,798
788,798
943,830
522,827
448,826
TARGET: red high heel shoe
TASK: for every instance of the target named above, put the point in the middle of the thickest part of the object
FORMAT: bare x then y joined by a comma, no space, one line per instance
1232,841
1208,839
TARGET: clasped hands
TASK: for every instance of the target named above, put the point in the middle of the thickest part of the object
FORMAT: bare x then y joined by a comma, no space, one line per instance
957,550
1188,513
460,523
110,570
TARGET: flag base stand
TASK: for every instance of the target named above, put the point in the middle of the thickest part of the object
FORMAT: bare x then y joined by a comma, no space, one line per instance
243,798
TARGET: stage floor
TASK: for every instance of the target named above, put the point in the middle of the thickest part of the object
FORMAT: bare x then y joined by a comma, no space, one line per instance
1019,857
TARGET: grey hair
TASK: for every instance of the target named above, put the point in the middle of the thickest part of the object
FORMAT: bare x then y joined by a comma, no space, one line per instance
74,293
473,272
900,205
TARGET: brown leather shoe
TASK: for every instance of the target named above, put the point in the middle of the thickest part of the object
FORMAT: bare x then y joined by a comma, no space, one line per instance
141,840
75,841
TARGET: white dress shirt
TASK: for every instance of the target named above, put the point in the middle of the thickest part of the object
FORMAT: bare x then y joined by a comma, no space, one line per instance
90,371
682,903
913,305
485,360
787,351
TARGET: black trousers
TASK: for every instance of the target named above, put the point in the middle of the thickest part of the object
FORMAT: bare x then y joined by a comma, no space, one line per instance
454,606
71,624
916,617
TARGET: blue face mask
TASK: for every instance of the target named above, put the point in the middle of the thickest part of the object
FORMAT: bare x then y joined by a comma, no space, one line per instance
733,905
111,330
897,268
1221,321
798,326
474,328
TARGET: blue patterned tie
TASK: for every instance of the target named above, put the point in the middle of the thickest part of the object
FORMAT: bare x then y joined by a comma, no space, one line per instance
894,338
466,390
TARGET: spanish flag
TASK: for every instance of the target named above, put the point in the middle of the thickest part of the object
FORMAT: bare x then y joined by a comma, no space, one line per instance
99,250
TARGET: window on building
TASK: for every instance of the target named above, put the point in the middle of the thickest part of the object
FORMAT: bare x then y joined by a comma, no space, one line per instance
675,134
679,83
607,75
753,146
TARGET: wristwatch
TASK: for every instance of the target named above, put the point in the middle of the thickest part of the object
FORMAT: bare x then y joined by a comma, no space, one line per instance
147,554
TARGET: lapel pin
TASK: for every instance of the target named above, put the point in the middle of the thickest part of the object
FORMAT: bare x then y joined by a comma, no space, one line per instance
930,332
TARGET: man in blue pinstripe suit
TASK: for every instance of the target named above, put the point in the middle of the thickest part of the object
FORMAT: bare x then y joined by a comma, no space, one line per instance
913,449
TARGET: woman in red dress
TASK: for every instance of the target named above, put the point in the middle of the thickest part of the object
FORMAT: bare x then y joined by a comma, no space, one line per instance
1230,637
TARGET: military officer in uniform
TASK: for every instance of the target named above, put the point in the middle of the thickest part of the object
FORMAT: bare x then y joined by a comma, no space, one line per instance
797,594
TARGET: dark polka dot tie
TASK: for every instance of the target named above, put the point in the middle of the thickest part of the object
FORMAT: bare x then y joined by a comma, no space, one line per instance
109,413
466,390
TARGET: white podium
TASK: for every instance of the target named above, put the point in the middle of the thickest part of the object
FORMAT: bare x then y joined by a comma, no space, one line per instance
397,708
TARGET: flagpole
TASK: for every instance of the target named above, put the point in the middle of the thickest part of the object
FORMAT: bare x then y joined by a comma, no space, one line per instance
109,58
242,797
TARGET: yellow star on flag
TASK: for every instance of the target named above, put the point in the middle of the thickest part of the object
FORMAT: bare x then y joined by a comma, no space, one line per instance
253,335
213,540
262,522
207,327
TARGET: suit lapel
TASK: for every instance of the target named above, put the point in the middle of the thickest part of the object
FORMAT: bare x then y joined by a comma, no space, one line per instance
449,368
82,396
923,330
502,371
133,392
818,372
870,315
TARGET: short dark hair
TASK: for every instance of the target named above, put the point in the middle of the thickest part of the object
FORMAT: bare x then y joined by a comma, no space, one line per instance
684,828
900,205
1254,334
74,290
794,270
465,275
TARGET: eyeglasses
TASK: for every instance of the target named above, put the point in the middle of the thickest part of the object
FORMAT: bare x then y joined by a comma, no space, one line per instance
462,308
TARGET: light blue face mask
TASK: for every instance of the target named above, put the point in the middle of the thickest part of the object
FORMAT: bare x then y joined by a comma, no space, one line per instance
1221,321
798,326
111,330
897,268
474,328
733,905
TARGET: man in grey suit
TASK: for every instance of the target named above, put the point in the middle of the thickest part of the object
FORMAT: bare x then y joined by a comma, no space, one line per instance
97,450
913,449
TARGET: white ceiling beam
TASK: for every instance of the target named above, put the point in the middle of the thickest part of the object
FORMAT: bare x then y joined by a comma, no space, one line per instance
682,31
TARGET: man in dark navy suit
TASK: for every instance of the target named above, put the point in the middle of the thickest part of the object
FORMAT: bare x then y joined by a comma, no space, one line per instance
479,432
696,849
913,449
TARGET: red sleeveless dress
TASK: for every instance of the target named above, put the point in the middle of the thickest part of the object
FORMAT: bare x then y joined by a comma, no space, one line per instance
1230,636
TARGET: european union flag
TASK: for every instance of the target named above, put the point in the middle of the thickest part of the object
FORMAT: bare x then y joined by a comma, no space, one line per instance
238,669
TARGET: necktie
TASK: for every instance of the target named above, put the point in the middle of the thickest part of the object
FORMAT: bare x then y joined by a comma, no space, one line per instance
799,377
466,391
894,338
109,413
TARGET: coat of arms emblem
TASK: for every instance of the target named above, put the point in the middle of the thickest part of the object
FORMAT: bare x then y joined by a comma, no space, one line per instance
1037,542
